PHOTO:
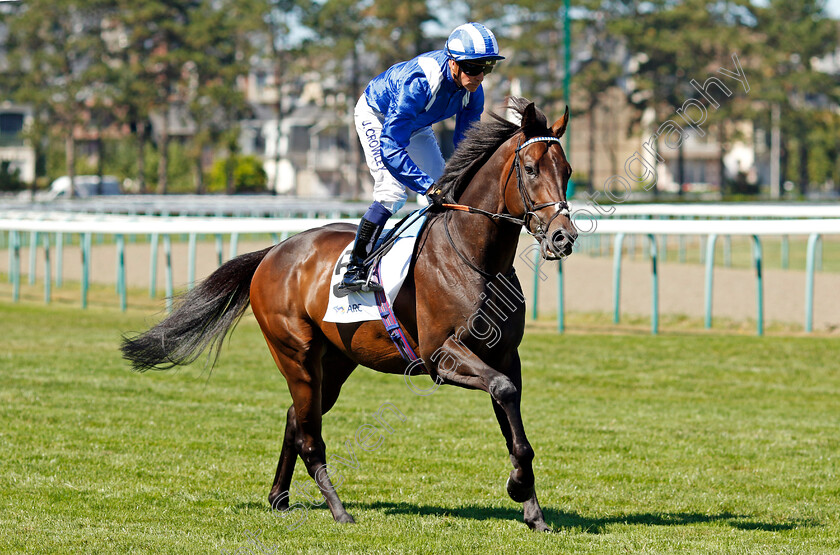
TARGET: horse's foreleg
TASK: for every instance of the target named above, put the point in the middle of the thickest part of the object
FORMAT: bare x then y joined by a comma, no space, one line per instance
533,512
505,389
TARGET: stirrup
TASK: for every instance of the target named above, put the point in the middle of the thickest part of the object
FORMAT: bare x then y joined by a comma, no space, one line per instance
371,284
364,281
344,289
345,286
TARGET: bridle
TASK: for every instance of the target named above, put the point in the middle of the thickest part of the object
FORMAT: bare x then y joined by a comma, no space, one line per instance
561,207
531,209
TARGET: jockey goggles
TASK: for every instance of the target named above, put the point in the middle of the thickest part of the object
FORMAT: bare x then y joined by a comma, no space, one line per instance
473,69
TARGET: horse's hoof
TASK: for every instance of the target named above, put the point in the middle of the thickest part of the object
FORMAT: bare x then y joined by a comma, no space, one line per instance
345,519
518,492
279,502
539,526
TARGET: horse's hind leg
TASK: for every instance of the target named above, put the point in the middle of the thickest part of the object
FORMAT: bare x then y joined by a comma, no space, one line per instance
278,497
337,368
303,424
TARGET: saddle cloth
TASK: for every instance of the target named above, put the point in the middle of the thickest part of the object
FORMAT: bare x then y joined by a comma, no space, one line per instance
361,306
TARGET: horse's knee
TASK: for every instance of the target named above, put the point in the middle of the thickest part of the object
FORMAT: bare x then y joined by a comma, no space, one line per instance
523,453
311,450
503,390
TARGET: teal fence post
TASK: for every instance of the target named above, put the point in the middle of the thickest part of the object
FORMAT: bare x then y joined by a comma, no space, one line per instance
759,285
153,262
191,262
59,259
33,253
85,242
15,265
234,245
785,252
167,252
710,268
12,241
121,286
47,270
219,249
809,281
819,259
617,248
561,308
654,318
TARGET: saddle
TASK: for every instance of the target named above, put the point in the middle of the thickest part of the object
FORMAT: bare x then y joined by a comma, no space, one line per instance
389,261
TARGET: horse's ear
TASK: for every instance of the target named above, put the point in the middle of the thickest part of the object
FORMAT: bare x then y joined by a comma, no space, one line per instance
529,118
559,126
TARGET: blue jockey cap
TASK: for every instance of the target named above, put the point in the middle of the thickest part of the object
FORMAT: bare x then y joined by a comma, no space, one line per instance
472,41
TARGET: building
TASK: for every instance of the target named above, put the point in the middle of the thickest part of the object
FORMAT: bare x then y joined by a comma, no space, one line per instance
14,148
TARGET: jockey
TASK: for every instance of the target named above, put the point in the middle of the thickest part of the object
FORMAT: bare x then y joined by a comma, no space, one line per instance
394,120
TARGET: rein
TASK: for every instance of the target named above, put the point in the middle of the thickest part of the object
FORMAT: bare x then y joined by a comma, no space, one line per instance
561,207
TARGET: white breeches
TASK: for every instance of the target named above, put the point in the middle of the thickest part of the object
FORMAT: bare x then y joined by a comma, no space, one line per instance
423,149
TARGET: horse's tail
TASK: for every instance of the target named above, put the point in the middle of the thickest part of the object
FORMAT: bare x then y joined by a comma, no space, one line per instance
202,319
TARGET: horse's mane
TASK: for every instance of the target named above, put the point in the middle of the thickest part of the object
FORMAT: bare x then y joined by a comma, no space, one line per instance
479,144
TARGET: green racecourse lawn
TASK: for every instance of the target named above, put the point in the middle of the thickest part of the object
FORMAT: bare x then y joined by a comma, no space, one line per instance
687,442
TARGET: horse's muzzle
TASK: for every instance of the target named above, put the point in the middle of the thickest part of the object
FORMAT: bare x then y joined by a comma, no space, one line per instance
558,245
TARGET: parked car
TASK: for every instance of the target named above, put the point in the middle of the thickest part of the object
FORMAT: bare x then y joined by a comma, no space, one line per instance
85,186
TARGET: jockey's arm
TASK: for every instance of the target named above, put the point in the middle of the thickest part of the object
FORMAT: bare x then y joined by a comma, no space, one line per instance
396,135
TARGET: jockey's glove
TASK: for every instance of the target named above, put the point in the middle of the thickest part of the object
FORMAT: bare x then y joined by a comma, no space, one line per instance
435,198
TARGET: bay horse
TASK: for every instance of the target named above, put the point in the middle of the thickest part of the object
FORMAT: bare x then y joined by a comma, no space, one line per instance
503,176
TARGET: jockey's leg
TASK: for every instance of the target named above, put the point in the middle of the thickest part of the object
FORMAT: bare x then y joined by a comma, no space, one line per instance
388,195
355,277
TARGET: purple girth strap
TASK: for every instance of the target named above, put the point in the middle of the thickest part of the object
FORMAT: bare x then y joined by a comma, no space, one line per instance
393,327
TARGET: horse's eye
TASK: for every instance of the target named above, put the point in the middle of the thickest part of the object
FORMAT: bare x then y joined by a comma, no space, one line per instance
529,169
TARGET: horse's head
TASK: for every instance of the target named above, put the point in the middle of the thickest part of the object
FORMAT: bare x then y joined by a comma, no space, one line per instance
534,187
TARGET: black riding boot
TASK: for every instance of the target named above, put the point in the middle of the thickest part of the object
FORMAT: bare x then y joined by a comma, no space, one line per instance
355,278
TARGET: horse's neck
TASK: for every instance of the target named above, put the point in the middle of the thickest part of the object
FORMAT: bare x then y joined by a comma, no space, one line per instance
490,245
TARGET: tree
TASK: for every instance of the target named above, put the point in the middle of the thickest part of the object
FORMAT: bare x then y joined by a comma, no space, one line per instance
159,29
598,73
55,47
248,174
792,35
674,42
284,22
220,51
396,30
131,78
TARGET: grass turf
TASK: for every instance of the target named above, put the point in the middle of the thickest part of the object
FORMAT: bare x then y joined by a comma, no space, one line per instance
684,442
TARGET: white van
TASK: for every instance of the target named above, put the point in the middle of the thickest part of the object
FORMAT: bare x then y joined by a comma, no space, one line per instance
85,186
